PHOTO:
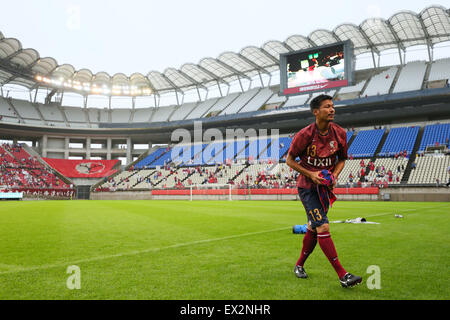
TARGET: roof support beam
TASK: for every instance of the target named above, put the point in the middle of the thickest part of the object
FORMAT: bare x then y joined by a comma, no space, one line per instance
212,75
399,43
257,67
428,39
371,45
196,83
226,66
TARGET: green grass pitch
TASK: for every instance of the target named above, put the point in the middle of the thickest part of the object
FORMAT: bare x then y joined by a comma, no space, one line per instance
217,250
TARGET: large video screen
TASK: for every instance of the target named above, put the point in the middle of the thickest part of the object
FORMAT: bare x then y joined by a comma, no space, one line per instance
317,69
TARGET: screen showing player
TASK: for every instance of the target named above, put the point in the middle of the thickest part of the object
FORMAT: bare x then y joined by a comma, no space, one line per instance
316,68
319,66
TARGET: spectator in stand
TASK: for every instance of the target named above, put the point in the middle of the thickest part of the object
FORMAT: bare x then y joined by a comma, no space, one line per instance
362,163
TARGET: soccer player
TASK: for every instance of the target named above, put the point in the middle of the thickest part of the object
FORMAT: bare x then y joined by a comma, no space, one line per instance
321,145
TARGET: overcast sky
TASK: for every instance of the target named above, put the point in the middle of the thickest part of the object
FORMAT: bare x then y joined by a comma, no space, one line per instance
141,36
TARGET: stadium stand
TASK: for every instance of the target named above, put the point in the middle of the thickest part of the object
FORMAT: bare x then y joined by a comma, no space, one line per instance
26,110
365,143
22,172
259,100
435,135
50,112
237,104
221,104
202,108
7,112
163,113
296,101
75,114
351,92
381,83
275,101
411,77
440,70
147,161
350,172
183,111
349,136
250,167
430,170
142,115
390,170
120,115
399,140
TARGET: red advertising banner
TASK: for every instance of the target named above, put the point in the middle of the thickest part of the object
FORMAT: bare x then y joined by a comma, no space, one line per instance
83,168
316,86
256,191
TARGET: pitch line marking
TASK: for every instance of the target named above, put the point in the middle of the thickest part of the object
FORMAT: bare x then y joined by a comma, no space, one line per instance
405,210
136,252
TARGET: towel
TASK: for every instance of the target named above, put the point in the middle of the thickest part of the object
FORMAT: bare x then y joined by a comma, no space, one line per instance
326,195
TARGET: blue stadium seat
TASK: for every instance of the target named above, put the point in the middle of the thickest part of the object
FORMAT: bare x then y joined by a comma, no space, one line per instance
398,140
150,158
435,133
349,135
365,143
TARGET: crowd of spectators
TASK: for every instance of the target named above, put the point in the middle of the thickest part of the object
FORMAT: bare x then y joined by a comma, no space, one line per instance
21,171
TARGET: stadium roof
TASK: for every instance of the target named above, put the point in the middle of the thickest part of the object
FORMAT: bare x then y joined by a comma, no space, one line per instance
404,29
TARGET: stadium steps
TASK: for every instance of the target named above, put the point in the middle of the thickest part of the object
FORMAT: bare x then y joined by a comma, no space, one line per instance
39,113
380,145
66,121
374,157
159,157
142,156
173,111
137,182
15,110
257,92
426,76
246,144
371,74
33,153
196,105
187,177
240,171
154,185
412,157
265,149
351,140
152,115
219,152
394,82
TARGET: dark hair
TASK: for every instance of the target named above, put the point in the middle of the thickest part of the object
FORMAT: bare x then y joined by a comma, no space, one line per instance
317,101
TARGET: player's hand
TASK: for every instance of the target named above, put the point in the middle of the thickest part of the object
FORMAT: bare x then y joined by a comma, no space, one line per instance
314,176
333,185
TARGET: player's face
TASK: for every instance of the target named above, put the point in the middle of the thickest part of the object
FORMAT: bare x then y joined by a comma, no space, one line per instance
325,111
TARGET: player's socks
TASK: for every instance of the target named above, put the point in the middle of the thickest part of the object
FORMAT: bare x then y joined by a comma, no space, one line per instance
309,243
327,246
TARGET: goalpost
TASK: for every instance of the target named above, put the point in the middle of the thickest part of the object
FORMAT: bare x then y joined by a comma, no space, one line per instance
219,190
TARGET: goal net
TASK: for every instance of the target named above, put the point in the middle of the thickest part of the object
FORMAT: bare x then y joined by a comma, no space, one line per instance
211,191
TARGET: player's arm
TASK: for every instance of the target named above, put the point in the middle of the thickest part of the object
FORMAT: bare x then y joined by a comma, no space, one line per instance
342,156
337,170
313,175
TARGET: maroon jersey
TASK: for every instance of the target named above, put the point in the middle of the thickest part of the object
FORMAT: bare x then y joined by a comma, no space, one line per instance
318,152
